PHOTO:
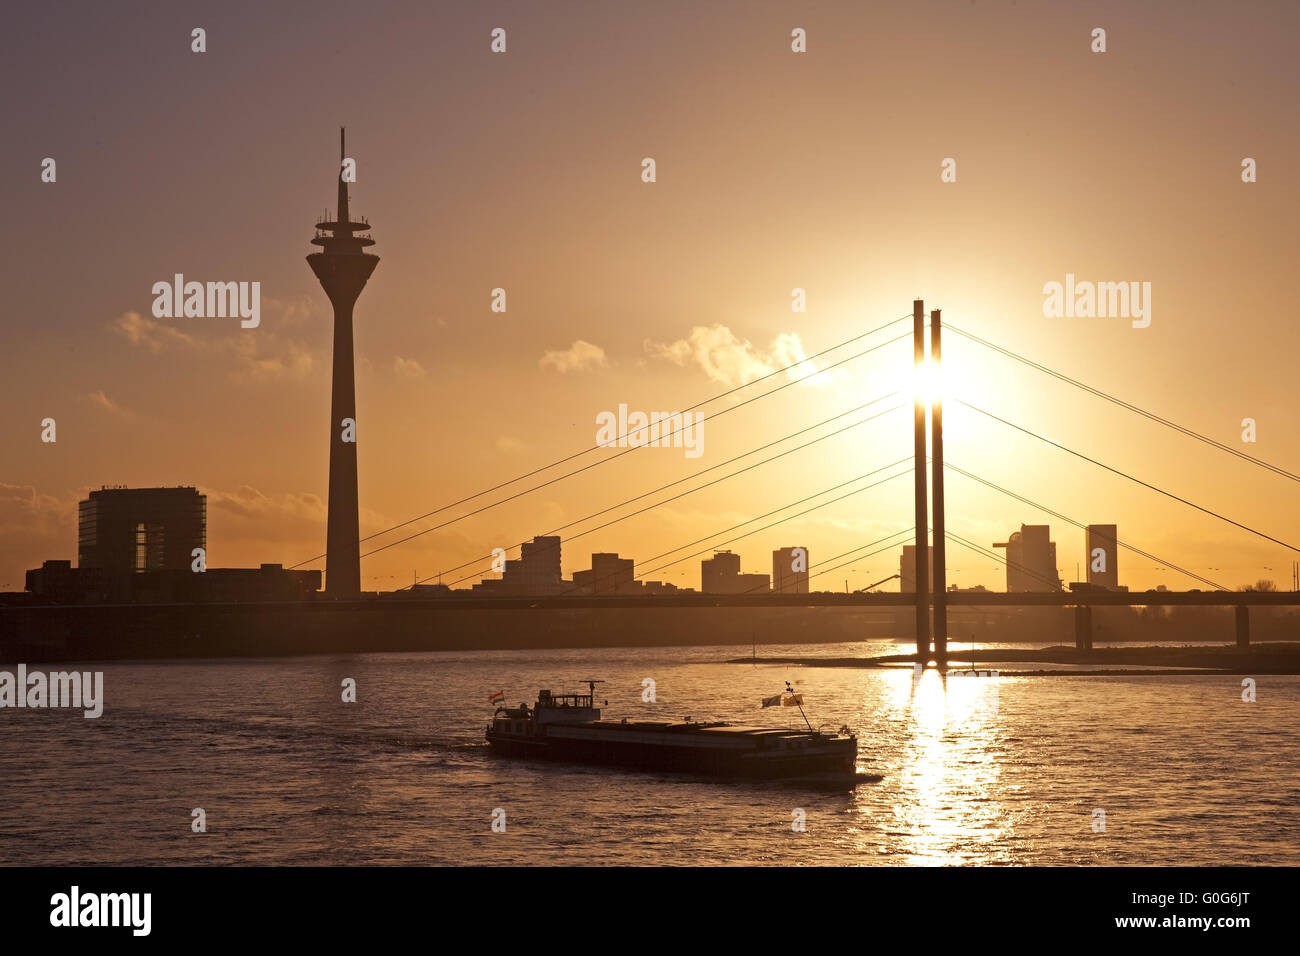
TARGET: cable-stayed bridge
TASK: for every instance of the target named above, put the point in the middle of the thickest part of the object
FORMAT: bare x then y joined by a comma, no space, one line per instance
926,466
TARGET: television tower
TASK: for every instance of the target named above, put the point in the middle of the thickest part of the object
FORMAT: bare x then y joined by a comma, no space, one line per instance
343,269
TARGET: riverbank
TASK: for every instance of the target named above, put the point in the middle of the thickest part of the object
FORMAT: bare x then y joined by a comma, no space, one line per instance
1269,658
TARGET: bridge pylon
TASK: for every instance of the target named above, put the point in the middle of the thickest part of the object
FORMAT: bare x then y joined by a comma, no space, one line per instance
921,569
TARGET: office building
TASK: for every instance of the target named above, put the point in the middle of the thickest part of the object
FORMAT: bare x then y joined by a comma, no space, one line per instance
907,569
141,529
720,574
790,571
1102,555
535,572
1031,560
609,575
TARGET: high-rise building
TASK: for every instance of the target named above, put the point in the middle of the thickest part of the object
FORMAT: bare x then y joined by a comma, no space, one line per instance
1031,559
343,269
611,574
907,569
537,570
720,574
790,571
141,529
1102,544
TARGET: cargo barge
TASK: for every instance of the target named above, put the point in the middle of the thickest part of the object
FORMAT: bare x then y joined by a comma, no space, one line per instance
568,727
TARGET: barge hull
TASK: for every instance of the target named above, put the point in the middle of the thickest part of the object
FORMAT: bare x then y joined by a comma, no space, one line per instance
680,758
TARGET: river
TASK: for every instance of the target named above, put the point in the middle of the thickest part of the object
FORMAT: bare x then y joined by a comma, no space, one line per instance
974,770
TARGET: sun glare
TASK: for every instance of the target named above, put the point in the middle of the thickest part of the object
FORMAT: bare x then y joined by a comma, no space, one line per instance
930,382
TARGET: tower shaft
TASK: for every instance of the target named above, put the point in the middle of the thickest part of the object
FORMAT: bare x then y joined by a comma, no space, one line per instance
343,535
343,278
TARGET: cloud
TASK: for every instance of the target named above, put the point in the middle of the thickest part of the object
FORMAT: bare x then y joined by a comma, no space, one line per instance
106,403
259,355
295,361
150,334
247,527
407,368
290,508
34,527
23,508
511,446
733,361
248,502
295,312
787,351
577,357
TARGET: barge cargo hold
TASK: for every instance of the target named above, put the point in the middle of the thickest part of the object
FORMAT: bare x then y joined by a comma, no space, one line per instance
568,727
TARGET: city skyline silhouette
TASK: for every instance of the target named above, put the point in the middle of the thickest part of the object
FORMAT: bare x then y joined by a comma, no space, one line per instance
605,309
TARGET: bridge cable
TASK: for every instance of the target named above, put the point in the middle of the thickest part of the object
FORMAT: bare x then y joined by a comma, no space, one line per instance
742,524
800,514
1080,525
698,405
1122,474
665,487
887,547
1126,405
597,464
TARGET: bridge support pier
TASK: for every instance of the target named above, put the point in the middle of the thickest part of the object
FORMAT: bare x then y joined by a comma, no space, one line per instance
1243,627
1082,627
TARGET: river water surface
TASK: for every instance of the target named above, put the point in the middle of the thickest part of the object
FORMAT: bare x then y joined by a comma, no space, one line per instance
976,770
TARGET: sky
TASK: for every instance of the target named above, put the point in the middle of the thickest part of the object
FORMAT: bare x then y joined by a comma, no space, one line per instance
774,171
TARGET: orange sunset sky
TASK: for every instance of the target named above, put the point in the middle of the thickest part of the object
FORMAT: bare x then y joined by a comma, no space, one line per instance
775,171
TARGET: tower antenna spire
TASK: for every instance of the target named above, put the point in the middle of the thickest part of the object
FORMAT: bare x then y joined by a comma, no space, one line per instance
344,217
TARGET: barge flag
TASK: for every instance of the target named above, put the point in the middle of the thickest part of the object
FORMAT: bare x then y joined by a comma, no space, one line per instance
794,700
772,701
499,695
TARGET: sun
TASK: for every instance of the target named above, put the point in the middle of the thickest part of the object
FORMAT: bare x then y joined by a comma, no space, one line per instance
930,383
